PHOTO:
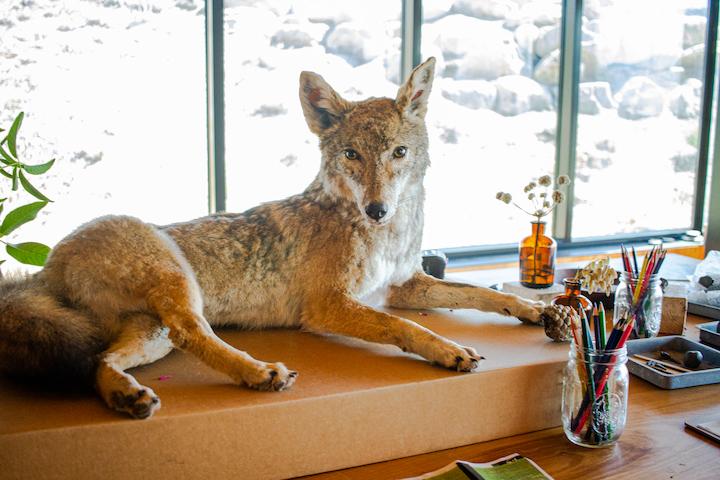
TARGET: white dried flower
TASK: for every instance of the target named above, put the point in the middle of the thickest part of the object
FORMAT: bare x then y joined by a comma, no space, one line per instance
543,195
529,187
506,197
557,196
531,196
563,180
598,276
499,195
545,180
546,204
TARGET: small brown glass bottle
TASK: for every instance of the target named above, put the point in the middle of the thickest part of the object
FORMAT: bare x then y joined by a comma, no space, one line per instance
573,298
537,258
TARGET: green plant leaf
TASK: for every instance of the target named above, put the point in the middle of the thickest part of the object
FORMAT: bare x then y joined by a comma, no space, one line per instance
12,134
6,158
29,253
20,216
38,169
16,172
32,190
6,174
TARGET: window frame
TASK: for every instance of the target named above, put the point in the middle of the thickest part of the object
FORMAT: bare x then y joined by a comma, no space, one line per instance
565,145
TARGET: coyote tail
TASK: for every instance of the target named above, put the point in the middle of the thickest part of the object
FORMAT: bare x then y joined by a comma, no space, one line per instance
41,336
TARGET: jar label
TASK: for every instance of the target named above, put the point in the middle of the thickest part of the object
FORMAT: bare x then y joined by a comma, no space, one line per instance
606,413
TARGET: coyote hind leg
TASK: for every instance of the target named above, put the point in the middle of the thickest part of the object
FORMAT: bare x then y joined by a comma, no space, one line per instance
117,265
142,340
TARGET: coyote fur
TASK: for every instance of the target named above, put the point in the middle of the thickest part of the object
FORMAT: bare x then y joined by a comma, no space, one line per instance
118,293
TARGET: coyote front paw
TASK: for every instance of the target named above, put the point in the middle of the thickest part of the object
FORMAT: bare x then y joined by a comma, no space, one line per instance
526,311
139,403
456,357
270,377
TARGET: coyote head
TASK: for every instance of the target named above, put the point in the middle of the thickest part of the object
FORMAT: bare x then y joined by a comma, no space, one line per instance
374,152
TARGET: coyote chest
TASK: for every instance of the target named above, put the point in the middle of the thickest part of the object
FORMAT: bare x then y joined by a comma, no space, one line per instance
390,257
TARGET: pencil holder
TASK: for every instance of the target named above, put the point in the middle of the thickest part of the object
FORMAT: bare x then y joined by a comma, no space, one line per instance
647,310
594,401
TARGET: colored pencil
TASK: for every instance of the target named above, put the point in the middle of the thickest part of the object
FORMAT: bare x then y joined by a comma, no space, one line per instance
596,328
603,327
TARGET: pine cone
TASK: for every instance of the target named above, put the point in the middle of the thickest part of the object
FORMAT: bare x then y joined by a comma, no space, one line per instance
557,322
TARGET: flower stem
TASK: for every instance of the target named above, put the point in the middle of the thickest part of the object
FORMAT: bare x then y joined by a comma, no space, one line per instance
535,247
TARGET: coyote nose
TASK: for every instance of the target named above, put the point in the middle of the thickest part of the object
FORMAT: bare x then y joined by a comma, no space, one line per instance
376,211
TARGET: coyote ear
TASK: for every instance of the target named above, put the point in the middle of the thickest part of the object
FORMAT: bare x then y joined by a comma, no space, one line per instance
322,105
412,97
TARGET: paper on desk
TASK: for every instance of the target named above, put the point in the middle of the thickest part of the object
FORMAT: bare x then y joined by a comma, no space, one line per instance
711,427
512,467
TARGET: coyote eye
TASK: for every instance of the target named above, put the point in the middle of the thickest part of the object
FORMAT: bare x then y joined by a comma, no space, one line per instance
351,154
399,152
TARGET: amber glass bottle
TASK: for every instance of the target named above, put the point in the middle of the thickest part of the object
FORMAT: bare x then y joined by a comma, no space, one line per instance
537,258
573,298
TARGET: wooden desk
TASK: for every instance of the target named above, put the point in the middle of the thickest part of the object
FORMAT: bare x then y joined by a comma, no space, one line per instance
655,444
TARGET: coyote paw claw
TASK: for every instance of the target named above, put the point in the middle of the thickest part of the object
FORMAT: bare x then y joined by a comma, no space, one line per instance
139,404
272,377
459,358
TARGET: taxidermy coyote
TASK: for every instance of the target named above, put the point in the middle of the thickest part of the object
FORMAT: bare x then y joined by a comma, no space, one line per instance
118,293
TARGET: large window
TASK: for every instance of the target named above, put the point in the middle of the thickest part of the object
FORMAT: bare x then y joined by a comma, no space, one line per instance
492,115
116,92
638,125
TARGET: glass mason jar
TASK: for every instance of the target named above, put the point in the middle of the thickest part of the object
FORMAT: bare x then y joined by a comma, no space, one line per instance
649,313
537,258
573,298
597,419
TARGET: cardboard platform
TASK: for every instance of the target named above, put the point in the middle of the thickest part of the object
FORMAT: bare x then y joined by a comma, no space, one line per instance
354,403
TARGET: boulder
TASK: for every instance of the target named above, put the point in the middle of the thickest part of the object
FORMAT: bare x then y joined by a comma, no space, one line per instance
605,145
694,30
594,96
692,61
548,41
548,134
593,9
475,94
547,71
486,9
592,159
436,9
615,39
542,14
355,42
640,97
525,36
517,94
685,100
278,7
333,12
685,160
298,35
473,48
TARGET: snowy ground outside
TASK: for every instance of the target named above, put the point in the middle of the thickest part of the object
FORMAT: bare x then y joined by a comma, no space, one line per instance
115,90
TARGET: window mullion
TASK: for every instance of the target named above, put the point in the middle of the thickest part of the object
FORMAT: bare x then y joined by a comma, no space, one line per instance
706,114
410,55
712,236
215,104
566,132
